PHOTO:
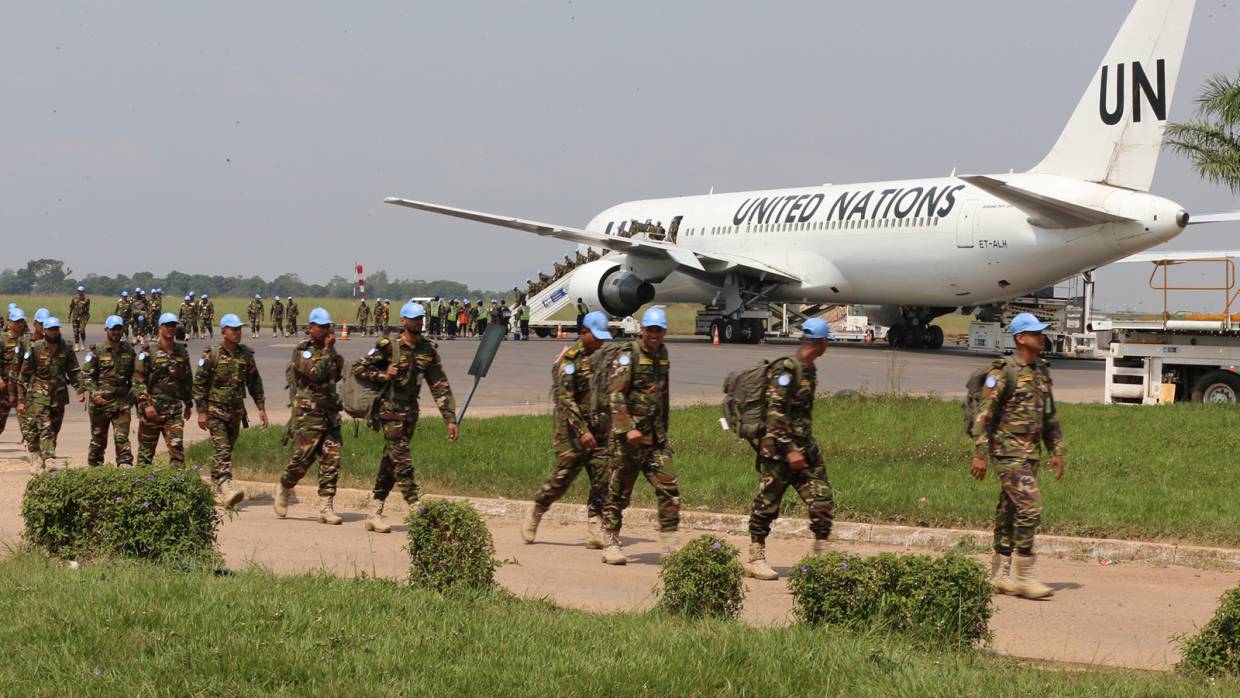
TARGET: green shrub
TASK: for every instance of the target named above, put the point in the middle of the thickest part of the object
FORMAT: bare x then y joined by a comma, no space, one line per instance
450,548
1215,650
703,580
939,600
144,513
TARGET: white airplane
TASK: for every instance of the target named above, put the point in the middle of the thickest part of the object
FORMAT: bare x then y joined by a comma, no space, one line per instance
917,248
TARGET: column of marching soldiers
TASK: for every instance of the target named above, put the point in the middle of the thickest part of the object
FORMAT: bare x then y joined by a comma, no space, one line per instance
611,419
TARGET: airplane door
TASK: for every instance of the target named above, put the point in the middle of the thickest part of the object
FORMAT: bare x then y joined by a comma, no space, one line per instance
966,223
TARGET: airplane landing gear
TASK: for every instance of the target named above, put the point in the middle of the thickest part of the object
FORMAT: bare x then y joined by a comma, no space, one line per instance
915,337
738,331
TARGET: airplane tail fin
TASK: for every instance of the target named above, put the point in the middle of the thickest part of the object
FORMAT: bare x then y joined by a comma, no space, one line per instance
1116,132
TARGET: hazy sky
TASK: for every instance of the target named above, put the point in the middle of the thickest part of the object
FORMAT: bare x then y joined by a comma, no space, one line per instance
260,138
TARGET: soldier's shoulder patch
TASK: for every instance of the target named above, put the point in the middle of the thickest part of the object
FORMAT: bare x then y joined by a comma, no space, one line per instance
624,360
991,381
569,369
26,355
202,361
784,379
372,351
307,354
142,356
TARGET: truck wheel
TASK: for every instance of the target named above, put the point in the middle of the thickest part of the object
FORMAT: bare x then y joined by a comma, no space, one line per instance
934,337
542,332
1217,387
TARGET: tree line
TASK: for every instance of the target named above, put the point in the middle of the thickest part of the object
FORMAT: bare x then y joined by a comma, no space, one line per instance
52,276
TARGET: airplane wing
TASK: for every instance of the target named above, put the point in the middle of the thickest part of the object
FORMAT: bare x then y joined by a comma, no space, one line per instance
1172,256
1044,211
708,262
1213,217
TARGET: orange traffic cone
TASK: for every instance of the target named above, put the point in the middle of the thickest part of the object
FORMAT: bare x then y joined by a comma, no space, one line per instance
344,331
714,335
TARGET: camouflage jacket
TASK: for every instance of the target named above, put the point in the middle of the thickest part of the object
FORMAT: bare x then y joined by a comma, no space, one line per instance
79,309
290,309
107,372
255,310
138,307
277,310
639,393
223,378
162,379
48,368
188,312
156,304
415,363
314,372
12,351
206,310
789,408
570,386
363,314
122,309
1017,427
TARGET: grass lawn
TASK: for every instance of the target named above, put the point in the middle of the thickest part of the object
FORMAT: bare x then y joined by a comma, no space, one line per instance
1152,473
138,629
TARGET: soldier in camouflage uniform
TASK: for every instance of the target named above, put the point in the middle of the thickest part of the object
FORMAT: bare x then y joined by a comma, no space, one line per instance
386,309
255,313
592,255
163,392
530,288
155,304
1015,418
787,454
124,307
188,315
48,368
580,438
639,417
277,318
224,375
12,350
401,365
79,317
363,317
138,310
206,317
291,314
107,378
315,421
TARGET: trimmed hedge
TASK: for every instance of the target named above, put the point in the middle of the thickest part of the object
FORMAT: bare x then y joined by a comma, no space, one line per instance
941,600
143,513
1215,649
703,580
450,548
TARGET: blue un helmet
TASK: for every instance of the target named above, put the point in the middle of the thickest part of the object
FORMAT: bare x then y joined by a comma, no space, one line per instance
168,319
112,322
1026,322
42,314
319,316
596,322
654,317
82,289
816,328
413,311
230,320
15,313
51,323
124,294
258,296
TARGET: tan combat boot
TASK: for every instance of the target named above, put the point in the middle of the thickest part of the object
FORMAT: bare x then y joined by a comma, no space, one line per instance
594,533
1026,585
820,547
283,495
227,494
375,522
669,541
327,512
37,466
530,527
1001,574
757,566
613,554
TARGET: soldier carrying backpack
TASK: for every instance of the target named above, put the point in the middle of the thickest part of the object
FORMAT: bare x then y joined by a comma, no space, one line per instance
772,407
1010,422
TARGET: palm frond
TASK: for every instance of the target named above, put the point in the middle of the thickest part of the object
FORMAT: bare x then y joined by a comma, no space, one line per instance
1213,149
1220,98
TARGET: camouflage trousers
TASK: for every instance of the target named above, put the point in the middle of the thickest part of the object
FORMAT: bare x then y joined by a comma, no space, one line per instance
314,438
396,466
45,421
655,462
208,328
277,325
810,482
255,326
167,424
29,430
570,458
1020,505
224,431
292,326
114,415
5,406
79,331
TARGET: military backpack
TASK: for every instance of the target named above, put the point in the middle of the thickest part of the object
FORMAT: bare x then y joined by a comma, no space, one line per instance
357,396
976,385
600,379
744,398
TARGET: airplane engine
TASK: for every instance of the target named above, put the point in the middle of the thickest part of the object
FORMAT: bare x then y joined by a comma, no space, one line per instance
604,284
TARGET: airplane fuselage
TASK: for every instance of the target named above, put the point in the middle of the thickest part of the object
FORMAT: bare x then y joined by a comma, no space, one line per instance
931,242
